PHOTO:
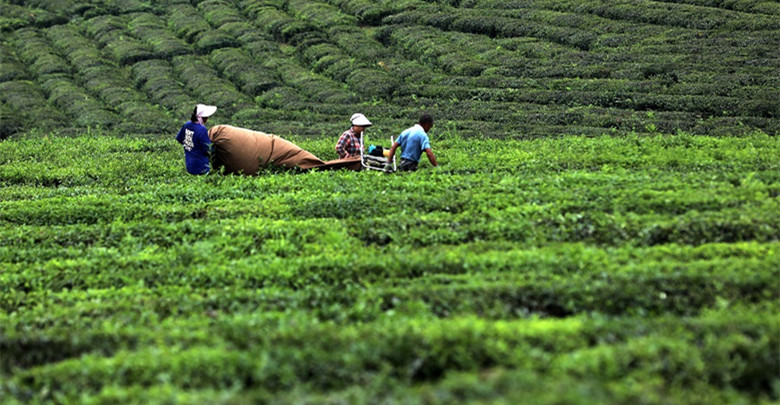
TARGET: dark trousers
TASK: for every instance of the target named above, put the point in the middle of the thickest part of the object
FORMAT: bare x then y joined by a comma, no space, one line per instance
407,165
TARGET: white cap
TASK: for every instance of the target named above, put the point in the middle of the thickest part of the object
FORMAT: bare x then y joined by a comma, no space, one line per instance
360,120
204,111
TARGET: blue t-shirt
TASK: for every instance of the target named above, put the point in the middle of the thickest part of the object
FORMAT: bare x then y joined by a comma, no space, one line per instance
413,142
197,147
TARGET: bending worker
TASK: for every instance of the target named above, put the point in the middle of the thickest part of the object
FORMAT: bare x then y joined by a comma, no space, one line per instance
349,142
195,138
413,142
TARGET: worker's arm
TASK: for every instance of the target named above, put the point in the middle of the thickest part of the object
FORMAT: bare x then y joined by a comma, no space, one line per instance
341,147
392,152
431,157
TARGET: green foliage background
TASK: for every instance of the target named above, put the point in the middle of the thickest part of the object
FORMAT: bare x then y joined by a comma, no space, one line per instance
603,228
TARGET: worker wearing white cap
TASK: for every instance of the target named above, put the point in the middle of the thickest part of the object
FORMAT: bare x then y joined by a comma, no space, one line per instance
195,138
349,142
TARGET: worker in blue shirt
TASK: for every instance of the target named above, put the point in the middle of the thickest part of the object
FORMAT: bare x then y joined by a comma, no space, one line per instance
413,142
195,138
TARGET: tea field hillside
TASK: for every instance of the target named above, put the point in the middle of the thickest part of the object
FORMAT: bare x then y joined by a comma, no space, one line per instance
603,227
510,69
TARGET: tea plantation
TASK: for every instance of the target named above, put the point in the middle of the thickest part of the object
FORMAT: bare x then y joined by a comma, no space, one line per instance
603,227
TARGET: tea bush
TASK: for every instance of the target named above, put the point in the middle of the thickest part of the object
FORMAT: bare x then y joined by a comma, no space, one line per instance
152,29
186,22
204,81
219,12
602,228
702,67
240,68
640,266
320,15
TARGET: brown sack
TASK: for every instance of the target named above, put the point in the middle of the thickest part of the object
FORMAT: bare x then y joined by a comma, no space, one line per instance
241,150
352,163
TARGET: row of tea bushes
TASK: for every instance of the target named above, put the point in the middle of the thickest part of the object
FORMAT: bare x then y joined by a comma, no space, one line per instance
10,67
495,25
28,107
240,67
159,81
367,11
729,348
219,13
309,85
111,32
601,261
15,17
649,209
203,81
288,56
448,20
319,15
649,12
188,23
353,59
70,9
54,78
435,284
37,54
748,6
108,82
154,31
498,281
626,100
